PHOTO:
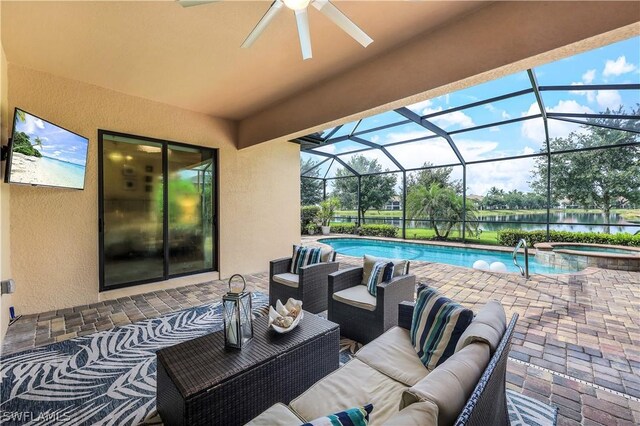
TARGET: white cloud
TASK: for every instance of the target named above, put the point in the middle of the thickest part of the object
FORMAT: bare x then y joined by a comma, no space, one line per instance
375,138
456,118
31,124
534,130
618,67
609,99
494,129
589,76
505,115
506,175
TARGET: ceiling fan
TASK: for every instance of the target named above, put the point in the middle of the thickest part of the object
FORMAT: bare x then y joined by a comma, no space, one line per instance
299,7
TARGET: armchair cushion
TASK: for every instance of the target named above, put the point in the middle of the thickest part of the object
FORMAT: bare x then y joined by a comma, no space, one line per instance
357,296
393,355
423,413
352,385
288,279
488,327
303,256
451,384
436,327
401,267
277,415
381,271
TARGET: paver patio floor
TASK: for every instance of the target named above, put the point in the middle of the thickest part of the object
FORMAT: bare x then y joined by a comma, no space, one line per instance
576,346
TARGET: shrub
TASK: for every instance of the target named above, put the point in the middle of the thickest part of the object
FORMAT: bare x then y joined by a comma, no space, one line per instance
510,237
308,214
343,228
378,231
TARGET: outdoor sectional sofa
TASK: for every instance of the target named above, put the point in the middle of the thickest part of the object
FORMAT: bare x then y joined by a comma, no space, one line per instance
467,389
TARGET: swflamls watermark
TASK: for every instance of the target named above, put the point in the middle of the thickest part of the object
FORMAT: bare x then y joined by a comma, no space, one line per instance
29,416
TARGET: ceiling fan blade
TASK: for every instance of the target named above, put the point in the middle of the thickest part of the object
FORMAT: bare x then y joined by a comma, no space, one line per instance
341,20
302,19
189,3
276,7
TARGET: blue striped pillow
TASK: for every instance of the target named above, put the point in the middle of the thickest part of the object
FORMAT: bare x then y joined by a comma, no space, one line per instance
437,325
358,416
303,256
381,271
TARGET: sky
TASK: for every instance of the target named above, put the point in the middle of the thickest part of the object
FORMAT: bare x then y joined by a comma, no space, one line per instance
57,143
618,63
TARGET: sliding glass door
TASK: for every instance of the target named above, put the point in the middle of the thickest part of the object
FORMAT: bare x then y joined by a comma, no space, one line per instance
157,210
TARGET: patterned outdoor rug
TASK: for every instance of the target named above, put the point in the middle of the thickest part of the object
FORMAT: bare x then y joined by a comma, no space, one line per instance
109,378
106,378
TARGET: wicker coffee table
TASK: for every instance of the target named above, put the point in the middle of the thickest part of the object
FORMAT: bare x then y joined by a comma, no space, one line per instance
200,382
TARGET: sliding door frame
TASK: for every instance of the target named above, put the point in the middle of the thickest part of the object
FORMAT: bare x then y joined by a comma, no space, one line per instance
165,217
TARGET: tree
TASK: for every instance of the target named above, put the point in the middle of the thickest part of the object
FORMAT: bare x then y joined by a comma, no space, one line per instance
443,207
375,191
599,177
311,191
440,176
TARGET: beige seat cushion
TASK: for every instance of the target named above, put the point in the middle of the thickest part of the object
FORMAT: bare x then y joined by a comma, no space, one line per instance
423,413
287,278
488,327
353,385
277,415
357,296
400,267
393,354
449,386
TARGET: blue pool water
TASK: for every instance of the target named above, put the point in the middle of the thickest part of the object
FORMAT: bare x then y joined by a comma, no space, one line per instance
458,256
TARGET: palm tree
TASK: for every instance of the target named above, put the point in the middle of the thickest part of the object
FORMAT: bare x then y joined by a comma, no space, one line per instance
443,207
37,142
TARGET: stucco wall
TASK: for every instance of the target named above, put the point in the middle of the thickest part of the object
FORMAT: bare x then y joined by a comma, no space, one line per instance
5,260
54,232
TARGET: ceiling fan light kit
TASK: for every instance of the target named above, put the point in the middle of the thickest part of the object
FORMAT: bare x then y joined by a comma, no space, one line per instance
300,9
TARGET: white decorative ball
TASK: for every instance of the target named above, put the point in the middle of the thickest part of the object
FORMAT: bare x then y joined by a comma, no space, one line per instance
481,264
498,267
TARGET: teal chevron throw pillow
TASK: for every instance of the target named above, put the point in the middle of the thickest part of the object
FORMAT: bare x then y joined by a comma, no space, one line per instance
358,416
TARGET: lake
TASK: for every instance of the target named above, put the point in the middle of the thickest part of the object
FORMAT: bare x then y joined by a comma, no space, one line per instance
561,221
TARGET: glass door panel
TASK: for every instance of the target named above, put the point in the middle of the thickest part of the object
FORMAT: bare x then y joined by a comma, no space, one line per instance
191,209
133,200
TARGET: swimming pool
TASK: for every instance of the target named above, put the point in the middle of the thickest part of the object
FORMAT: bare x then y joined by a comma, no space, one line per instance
459,256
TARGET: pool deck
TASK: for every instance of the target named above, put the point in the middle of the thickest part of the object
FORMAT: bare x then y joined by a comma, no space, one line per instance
576,346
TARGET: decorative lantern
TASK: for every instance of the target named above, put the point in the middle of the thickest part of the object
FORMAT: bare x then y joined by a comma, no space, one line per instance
236,309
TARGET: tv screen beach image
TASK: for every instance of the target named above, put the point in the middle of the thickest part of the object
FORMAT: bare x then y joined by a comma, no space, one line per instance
45,154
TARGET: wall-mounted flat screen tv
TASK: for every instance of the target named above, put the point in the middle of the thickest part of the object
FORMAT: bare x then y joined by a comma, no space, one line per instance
43,154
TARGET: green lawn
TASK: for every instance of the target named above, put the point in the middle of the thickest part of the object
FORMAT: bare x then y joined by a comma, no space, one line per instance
486,237
628,214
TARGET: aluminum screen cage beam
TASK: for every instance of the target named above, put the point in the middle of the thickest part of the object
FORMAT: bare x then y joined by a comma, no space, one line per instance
406,116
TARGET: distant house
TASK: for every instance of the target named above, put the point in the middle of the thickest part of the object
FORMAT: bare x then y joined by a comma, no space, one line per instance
393,204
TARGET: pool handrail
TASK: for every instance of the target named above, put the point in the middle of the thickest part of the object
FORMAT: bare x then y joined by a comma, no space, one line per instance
522,243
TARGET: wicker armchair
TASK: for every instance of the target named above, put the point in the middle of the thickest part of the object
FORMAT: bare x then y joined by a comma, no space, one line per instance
365,322
310,285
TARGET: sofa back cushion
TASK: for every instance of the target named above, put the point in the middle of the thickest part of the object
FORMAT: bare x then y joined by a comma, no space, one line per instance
423,413
436,327
303,256
488,327
450,385
401,267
